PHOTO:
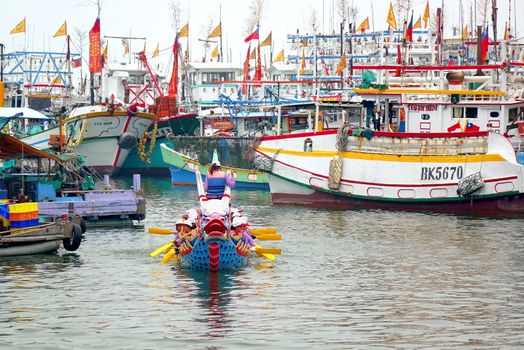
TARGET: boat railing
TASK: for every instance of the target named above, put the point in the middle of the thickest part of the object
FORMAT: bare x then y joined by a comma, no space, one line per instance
441,146
487,97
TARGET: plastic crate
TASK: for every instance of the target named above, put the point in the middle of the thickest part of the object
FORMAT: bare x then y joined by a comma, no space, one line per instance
24,216
4,211
24,223
23,207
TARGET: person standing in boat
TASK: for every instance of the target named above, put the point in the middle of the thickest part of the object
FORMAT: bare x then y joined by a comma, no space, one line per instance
216,181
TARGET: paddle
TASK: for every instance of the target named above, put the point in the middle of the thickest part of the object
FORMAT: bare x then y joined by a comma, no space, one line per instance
168,256
269,237
267,256
262,230
159,231
162,248
263,250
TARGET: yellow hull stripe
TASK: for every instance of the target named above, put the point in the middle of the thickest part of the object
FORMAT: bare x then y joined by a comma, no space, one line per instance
390,157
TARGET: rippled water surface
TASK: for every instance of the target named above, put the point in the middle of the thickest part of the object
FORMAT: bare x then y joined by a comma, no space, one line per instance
346,280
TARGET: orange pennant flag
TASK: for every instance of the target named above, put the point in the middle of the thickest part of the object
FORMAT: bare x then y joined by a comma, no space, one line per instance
157,51
391,20
303,64
216,32
253,54
418,23
184,32
62,30
363,26
267,41
341,64
425,16
214,54
464,33
19,28
280,57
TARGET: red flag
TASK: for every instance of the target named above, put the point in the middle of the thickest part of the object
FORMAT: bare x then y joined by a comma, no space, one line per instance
258,70
252,36
173,83
484,44
76,63
409,31
95,60
246,70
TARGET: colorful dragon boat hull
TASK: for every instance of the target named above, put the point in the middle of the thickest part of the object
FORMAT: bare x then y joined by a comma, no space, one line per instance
213,255
183,169
103,137
396,171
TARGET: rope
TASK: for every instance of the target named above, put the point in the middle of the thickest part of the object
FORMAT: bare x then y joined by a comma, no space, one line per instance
342,137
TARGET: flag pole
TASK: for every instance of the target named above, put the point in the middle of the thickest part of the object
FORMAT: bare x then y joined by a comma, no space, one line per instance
220,21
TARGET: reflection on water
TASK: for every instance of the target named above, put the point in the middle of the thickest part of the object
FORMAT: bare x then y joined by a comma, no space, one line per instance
347,279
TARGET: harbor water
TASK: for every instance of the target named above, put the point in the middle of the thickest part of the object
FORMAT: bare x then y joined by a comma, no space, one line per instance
346,280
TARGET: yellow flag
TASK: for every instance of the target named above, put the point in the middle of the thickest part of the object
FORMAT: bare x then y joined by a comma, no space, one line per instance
216,32
62,30
418,23
157,51
303,64
57,80
464,32
425,16
144,50
214,54
267,41
253,54
280,57
104,54
19,28
391,20
341,64
506,32
125,43
184,32
363,26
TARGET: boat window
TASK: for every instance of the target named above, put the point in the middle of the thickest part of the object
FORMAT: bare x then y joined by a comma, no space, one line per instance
512,114
425,116
308,145
471,112
458,112
494,114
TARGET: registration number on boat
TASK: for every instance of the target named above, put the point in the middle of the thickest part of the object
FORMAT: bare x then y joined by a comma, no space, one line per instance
441,173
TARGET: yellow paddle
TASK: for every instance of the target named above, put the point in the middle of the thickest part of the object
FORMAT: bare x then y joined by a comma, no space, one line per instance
269,237
159,231
162,248
267,256
262,230
168,256
264,250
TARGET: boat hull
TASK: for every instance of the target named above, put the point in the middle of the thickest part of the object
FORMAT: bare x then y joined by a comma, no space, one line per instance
96,136
31,248
183,170
213,255
388,174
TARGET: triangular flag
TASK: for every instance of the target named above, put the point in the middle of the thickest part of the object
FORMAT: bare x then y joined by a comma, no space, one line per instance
363,26
506,32
214,54
267,41
425,16
391,20
62,30
341,64
418,23
104,54
184,32
157,51
216,32
252,36
464,33
57,80
253,54
279,57
19,28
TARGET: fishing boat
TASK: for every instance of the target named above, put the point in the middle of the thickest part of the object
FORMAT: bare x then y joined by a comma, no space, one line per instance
183,169
472,172
210,241
103,134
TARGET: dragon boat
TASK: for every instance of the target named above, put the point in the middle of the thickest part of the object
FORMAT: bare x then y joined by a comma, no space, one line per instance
214,237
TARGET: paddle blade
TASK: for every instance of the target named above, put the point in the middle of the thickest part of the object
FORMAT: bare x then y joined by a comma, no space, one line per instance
269,237
159,231
162,249
263,250
176,258
168,256
263,230
270,257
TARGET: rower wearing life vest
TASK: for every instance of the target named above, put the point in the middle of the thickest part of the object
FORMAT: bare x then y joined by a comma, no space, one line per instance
216,179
